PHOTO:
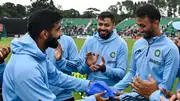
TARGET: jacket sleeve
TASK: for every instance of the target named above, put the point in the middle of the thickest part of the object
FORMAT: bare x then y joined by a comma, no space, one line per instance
170,69
124,83
72,63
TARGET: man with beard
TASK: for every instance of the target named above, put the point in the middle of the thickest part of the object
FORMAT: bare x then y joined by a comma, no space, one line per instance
112,49
154,55
67,64
29,72
151,86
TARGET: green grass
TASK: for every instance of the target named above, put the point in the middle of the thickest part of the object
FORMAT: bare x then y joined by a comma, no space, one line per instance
79,43
5,42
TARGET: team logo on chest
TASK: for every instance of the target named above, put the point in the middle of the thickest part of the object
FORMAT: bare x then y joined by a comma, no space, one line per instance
113,54
157,53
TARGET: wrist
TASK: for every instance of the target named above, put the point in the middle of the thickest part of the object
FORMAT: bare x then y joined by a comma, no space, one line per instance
58,59
103,68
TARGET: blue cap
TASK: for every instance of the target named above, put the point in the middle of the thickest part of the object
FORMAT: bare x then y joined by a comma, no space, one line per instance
99,87
176,25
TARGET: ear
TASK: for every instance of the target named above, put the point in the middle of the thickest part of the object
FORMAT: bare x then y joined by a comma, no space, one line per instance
114,25
156,22
44,34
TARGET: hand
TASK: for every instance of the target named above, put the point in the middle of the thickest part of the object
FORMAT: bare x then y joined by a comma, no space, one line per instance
91,59
99,67
117,97
166,93
173,98
143,87
178,95
93,68
100,98
4,52
58,52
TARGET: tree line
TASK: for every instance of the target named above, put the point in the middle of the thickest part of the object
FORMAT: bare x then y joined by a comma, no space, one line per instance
124,9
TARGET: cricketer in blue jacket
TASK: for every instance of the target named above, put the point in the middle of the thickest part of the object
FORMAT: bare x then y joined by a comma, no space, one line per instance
156,95
153,54
67,64
107,43
29,72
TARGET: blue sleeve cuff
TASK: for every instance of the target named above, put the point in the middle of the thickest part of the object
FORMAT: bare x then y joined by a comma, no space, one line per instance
61,61
60,64
85,85
155,96
108,70
2,67
90,98
84,68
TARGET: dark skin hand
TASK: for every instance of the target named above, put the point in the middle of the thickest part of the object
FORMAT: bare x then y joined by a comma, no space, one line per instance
4,52
143,87
100,98
99,67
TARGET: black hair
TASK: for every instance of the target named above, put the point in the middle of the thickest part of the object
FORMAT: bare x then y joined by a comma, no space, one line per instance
149,11
42,20
106,14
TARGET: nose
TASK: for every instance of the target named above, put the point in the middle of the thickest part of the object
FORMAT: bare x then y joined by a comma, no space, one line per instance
60,32
140,30
102,27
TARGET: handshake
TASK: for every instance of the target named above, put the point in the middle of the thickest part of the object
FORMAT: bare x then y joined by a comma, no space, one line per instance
102,91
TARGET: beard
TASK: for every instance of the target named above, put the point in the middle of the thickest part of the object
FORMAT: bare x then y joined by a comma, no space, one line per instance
107,36
149,34
52,42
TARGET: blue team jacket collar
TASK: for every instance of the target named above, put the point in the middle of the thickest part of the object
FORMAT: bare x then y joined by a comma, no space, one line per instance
157,38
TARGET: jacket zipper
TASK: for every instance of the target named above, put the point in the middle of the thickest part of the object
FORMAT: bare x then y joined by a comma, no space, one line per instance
148,49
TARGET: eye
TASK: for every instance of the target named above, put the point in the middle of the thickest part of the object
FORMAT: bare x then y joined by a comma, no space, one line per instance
100,24
142,25
106,25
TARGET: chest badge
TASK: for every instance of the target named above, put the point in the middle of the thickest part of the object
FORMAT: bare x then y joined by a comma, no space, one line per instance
113,54
157,53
